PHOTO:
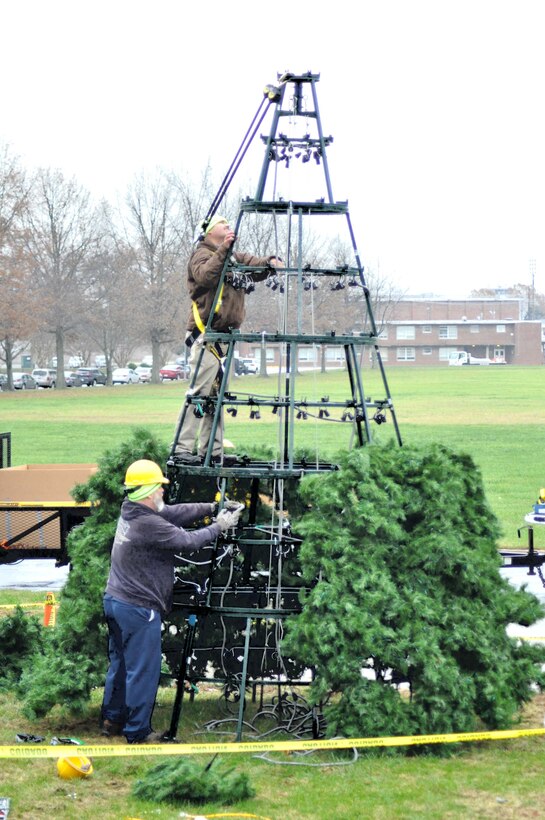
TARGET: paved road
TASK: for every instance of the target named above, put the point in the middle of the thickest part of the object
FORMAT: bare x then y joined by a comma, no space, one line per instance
34,574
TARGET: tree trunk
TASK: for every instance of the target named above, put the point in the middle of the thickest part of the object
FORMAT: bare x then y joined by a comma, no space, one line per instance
156,360
263,362
59,348
8,349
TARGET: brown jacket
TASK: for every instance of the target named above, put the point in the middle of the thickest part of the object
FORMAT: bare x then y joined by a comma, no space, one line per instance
203,273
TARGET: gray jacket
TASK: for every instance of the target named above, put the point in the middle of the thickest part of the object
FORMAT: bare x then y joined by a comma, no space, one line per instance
144,550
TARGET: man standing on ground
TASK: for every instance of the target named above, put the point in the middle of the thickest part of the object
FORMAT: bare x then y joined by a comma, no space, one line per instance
139,591
204,270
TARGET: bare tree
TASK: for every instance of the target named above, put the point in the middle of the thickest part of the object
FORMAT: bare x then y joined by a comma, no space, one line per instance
15,314
532,301
109,324
155,242
193,202
60,240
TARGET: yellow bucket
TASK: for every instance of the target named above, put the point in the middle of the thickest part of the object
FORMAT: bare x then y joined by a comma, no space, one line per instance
77,766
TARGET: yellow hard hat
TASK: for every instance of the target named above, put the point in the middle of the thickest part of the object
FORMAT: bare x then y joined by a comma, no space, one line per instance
142,472
70,767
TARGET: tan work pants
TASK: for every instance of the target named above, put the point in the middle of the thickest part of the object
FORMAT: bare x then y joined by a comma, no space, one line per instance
206,384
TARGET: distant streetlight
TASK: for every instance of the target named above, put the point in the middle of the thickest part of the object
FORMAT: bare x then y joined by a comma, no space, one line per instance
531,306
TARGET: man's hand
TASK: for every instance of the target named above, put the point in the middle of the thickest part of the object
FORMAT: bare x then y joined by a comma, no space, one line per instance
275,262
232,506
229,239
227,519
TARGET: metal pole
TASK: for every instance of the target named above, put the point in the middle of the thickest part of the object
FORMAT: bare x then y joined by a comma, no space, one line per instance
243,680
188,644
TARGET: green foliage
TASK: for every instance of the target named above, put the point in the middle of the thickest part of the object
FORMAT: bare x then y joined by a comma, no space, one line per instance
399,549
20,636
74,656
181,780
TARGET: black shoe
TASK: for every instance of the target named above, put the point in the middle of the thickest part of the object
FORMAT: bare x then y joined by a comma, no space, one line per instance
185,457
153,737
224,461
109,728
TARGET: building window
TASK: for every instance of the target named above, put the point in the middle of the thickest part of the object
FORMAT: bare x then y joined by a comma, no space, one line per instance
474,329
307,354
405,354
426,351
269,353
334,354
426,328
383,333
444,353
405,332
500,328
448,332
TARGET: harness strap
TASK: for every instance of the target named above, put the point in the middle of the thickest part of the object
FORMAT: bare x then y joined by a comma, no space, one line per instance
196,315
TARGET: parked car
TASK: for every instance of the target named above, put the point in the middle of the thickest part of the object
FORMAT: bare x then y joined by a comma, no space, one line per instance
172,371
23,381
244,366
72,379
125,375
91,376
44,377
144,373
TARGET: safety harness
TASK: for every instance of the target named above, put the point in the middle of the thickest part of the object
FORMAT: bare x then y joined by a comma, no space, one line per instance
200,328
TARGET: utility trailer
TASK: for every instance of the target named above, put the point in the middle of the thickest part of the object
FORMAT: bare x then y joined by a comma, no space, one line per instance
37,510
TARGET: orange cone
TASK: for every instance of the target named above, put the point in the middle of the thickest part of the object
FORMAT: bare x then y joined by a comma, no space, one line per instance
50,610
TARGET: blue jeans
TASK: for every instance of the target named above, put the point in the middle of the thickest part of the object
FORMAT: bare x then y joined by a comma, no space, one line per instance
134,650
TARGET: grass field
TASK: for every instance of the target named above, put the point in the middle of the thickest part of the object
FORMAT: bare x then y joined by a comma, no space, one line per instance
480,780
497,414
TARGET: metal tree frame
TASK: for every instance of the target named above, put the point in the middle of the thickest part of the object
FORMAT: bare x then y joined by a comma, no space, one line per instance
233,618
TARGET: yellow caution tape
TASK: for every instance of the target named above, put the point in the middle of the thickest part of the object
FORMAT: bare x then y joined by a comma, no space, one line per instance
139,749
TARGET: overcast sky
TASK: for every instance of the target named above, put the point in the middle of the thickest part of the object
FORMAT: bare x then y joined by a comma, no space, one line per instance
435,106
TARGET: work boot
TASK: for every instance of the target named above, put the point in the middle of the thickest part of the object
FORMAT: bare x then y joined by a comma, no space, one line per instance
153,737
224,461
185,457
110,728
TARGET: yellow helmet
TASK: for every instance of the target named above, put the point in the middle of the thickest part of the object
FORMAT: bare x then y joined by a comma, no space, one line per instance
69,767
144,472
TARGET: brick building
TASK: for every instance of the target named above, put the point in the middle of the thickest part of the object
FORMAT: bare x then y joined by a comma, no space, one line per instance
428,331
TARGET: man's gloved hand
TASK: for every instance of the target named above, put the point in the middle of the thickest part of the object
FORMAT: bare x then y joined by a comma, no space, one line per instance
227,519
232,506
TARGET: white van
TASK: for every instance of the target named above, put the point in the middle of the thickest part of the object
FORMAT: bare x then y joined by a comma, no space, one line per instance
44,377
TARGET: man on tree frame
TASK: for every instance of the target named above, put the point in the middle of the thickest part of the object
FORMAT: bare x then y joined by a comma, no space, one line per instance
204,270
